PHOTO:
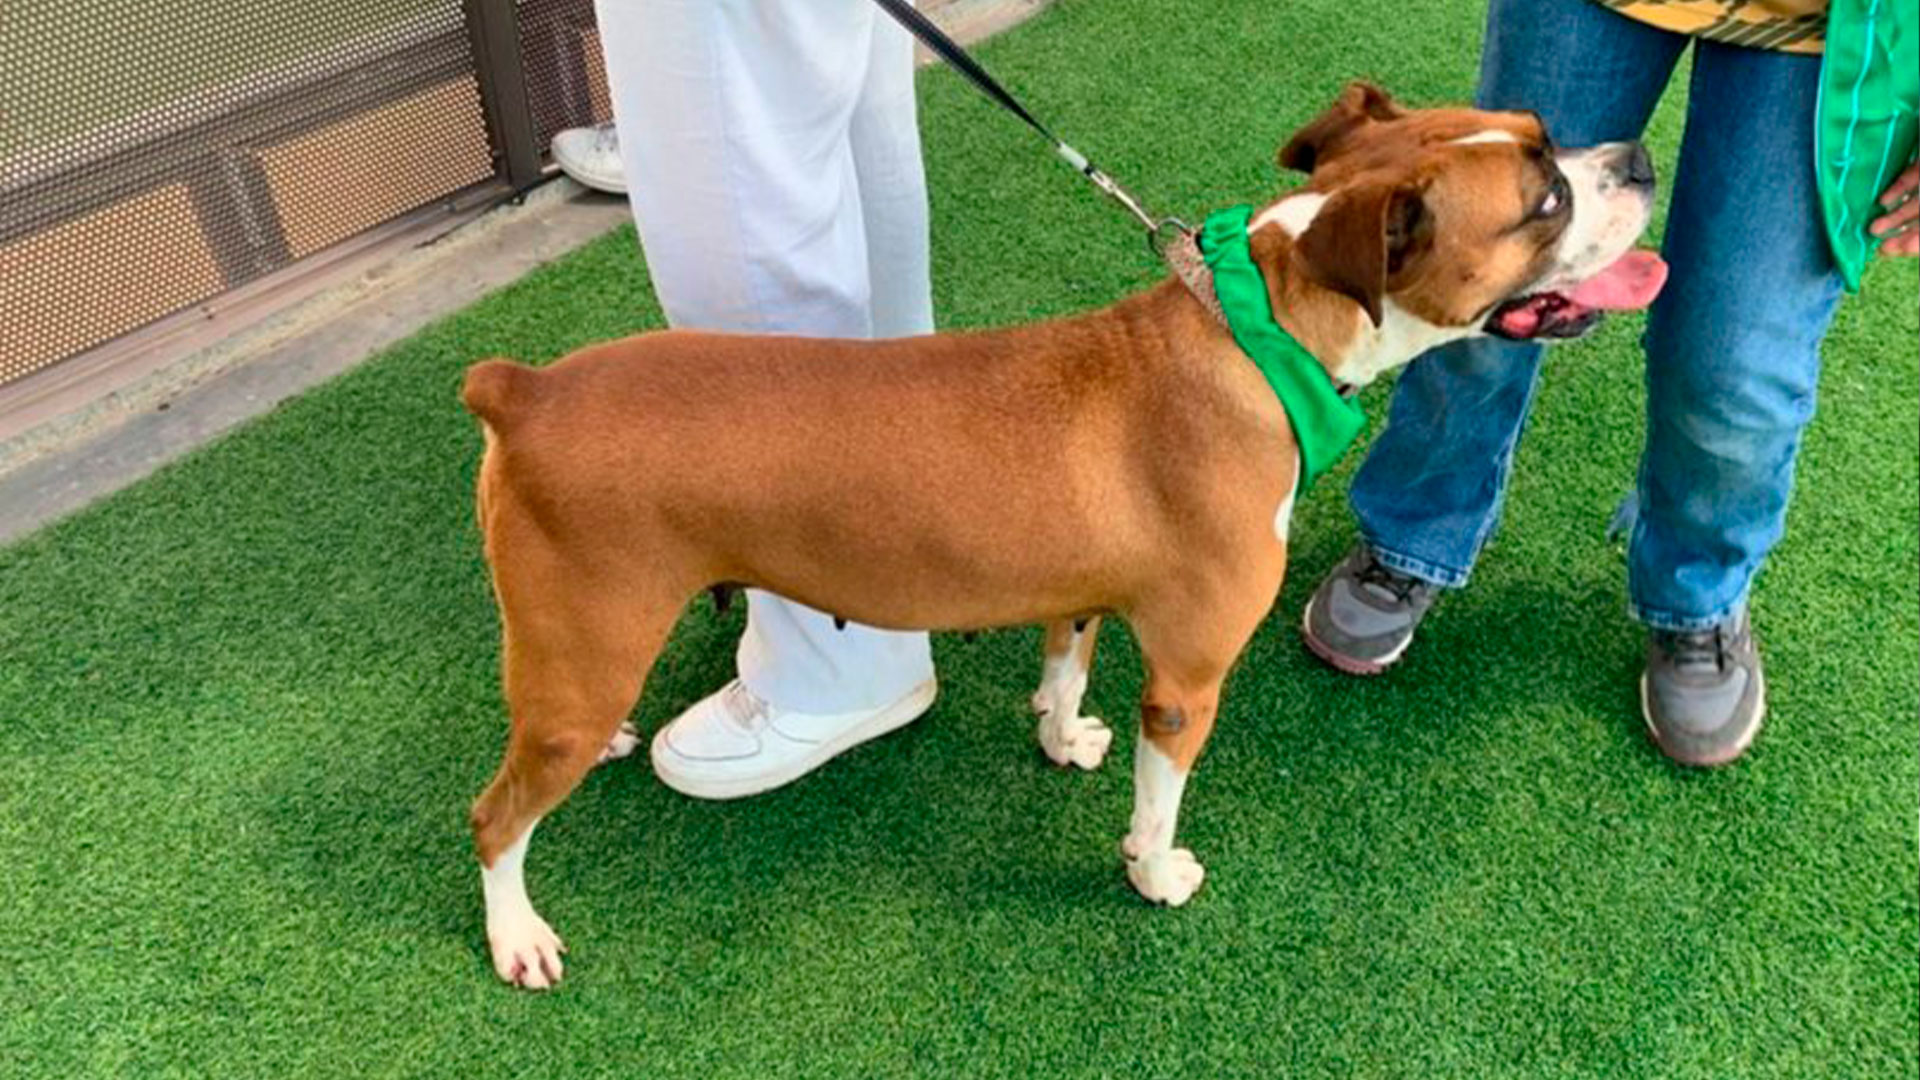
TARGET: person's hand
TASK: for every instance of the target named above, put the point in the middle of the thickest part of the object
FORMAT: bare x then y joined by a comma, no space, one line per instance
1900,235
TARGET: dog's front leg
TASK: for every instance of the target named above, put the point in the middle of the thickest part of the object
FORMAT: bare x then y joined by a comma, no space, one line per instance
1188,643
1067,737
1173,730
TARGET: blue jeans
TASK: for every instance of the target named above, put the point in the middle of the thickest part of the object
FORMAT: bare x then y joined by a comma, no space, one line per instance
1732,343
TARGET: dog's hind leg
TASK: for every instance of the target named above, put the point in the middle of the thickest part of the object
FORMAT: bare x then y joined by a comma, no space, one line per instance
1068,737
575,653
625,739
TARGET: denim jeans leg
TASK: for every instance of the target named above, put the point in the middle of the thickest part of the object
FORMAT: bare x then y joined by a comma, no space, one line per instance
1429,495
1733,343
1429,492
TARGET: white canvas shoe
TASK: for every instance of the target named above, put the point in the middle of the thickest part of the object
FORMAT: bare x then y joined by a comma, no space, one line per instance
591,155
731,744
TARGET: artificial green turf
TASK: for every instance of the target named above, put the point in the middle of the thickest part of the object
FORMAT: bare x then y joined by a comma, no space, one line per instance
244,706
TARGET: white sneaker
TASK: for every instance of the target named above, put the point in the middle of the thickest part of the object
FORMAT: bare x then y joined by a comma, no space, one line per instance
591,155
731,744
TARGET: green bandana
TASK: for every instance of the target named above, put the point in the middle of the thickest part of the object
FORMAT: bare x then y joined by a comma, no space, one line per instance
1324,422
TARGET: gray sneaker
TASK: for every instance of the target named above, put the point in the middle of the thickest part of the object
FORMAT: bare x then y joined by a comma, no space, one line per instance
1362,617
1703,694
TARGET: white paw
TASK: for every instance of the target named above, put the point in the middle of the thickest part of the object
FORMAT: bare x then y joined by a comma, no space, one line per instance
1080,741
526,951
1169,877
623,743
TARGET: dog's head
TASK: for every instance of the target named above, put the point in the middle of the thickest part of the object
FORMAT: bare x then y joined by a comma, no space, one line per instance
1445,223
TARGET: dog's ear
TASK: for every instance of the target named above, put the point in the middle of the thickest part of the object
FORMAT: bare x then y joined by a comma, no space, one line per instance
1359,104
1363,238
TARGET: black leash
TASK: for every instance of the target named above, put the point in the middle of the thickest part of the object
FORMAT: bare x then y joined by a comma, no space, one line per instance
957,58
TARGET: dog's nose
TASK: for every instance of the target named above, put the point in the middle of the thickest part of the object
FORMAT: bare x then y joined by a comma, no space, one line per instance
1638,168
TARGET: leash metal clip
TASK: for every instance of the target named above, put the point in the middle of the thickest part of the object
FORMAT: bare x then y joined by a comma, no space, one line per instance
1157,228
1167,230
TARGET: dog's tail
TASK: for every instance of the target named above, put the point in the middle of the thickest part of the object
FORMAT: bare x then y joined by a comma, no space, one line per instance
495,390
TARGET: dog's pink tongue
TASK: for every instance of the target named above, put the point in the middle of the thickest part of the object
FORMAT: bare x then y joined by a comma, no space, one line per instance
1629,283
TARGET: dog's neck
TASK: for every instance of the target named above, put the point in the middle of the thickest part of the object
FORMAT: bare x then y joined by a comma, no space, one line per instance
1318,337
1400,337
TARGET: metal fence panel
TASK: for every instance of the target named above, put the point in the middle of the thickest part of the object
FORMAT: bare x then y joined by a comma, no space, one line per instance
155,155
566,81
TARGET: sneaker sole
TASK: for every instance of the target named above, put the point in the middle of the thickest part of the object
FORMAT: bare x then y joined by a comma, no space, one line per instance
604,184
895,716
1725,757
1348,664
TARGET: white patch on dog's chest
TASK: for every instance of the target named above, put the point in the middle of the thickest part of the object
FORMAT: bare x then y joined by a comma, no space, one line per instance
1283,517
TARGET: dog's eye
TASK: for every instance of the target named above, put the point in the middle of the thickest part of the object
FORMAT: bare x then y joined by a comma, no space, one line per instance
1557,197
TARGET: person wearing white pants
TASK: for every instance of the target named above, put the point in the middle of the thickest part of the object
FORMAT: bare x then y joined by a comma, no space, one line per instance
772,159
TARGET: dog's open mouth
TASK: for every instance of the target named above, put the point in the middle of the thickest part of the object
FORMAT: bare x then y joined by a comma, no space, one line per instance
1629,283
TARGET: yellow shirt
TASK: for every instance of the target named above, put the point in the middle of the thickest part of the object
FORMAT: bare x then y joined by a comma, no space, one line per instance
1795,26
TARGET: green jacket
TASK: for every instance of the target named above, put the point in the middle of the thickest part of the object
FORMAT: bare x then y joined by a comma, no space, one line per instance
1864,128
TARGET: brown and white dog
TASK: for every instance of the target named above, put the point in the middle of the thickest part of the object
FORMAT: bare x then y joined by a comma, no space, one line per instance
1129,461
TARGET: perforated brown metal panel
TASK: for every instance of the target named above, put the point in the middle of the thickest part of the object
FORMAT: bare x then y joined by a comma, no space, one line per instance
152,156
566,78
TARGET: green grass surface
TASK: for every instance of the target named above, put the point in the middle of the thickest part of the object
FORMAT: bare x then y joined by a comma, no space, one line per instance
244,706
